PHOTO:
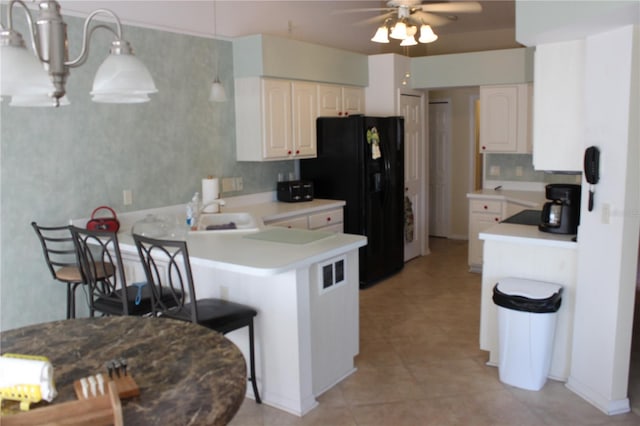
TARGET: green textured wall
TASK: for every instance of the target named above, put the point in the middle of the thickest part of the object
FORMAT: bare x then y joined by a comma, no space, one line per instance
58,164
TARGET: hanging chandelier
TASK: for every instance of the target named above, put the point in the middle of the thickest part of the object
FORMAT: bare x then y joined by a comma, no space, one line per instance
39,78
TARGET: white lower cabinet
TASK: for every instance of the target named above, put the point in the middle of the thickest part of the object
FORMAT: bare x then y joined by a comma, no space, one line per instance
482,215
328,220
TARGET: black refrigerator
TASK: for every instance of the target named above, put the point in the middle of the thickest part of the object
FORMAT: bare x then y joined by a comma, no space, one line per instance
361,161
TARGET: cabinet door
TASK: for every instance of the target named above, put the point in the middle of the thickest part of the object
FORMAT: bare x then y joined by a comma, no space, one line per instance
329,100
477,224
559,106
482,215
304,115
498,118
277,135
352,100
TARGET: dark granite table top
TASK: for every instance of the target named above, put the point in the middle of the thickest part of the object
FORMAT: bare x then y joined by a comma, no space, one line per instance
187,374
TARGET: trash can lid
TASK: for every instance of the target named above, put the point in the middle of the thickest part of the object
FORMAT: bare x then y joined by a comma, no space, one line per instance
528,288
527,295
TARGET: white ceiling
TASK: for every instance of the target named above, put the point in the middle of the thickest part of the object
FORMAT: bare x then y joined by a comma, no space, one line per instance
305,20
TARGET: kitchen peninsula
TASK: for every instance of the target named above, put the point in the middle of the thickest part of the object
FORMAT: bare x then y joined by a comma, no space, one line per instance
307,329
522,251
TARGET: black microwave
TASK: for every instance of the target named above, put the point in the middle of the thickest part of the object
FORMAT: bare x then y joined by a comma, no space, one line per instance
294,191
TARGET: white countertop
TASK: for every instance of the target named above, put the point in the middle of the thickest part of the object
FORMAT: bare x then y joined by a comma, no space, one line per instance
525,198
232,252
527,234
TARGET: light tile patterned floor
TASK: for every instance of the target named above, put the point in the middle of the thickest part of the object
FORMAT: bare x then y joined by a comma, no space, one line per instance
419,362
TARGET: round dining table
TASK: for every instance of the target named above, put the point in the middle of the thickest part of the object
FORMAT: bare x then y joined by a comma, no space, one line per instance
186,373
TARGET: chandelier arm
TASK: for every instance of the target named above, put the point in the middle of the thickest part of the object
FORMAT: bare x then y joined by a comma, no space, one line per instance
32,30
87,35
79,61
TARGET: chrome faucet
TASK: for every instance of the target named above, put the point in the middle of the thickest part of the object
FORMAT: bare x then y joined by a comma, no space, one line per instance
214,206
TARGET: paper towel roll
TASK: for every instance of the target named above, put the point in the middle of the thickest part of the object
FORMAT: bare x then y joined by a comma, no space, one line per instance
21,371
210,193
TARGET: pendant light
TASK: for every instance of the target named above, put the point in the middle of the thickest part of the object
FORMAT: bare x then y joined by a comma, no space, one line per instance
217,93
31,77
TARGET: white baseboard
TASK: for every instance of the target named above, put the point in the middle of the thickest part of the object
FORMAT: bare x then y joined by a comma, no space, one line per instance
607,406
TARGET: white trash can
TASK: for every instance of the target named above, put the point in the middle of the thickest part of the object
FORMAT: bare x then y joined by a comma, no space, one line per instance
527,312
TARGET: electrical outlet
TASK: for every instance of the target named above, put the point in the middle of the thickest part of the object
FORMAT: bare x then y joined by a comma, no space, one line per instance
127,197
494,171
519,171
228,184
224,292
239,184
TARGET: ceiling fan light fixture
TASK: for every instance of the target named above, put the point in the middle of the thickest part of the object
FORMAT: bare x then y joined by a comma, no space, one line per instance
399,31
427,35
409,41
381,35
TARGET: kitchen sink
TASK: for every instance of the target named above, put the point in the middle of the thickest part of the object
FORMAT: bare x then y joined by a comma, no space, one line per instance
226,222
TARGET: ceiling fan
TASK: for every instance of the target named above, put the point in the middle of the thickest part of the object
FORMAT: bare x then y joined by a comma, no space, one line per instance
403,17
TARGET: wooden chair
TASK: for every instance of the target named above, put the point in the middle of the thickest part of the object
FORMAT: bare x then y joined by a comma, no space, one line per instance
62,261
168,269
101,265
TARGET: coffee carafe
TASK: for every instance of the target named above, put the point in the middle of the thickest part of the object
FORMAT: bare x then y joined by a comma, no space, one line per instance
562,214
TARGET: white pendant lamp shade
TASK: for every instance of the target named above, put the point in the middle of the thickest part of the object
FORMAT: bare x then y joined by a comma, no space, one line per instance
218,93
409,41
122,75
381,35
21,73
399,31
427,35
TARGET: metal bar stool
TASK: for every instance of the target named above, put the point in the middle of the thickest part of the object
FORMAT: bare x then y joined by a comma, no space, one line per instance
62,260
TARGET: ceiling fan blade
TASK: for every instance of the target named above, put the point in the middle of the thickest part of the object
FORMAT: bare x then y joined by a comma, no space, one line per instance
429,18
376,19
366,9
453,7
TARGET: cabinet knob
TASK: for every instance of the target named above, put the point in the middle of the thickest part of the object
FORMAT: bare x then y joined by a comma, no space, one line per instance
486,207
328,219
297,151
497,219
346,114
289,152
484,147
340,113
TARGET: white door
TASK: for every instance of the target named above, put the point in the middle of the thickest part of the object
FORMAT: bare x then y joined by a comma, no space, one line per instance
439,167
410,108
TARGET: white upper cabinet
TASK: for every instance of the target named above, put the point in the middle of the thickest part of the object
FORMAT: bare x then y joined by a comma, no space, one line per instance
505,116
339,101
275,119
558,108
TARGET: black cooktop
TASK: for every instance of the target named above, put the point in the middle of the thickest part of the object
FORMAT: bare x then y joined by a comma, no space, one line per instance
525,217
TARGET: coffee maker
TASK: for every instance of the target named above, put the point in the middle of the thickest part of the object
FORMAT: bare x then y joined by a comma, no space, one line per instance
562,214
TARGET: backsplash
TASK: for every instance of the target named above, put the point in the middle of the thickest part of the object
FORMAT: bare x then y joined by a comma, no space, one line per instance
519,168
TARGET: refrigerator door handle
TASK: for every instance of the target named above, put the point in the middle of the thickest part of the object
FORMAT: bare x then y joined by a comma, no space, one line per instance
386,162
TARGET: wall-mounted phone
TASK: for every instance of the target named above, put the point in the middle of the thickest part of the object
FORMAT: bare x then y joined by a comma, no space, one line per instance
592,170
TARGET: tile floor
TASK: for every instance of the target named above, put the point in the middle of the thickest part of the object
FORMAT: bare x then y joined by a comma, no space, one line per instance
419,362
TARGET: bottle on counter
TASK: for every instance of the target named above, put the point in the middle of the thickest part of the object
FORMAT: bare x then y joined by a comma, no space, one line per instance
193,209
